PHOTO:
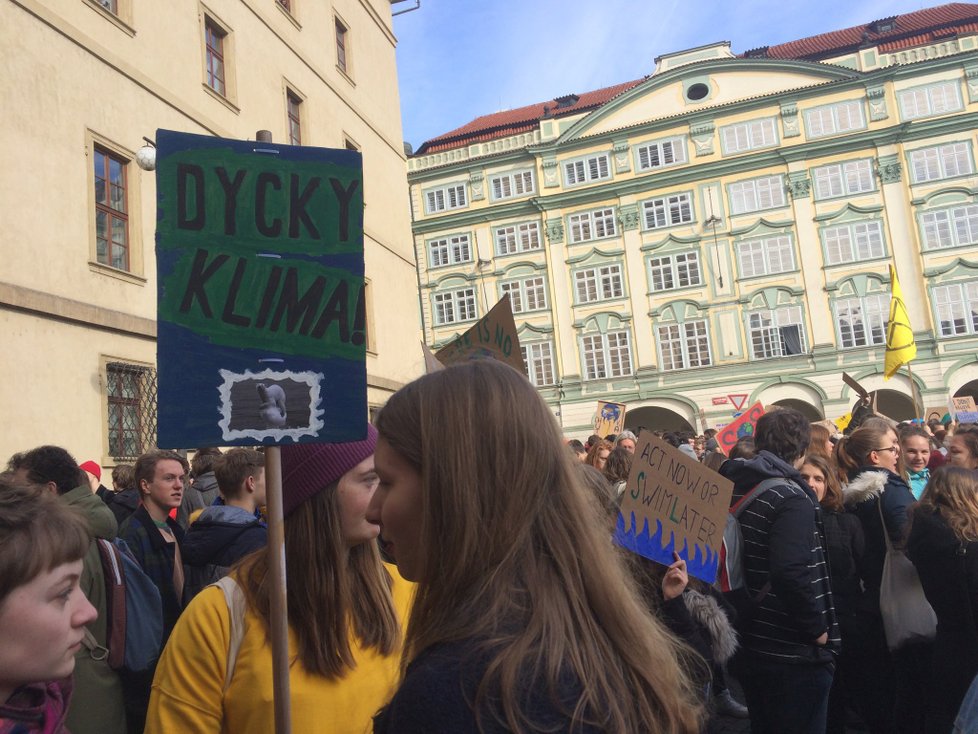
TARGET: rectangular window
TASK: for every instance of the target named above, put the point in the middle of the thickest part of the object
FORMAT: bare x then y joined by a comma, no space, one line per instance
214,39
342,39
517,238
131,397
862,321
668,211
765,256
606,355
454,306
957,308
449,251
529,294
776,333
661,154
584,170
508,185
539,360
592,225
111,209
598,284
839,179
950,227
935,99
756,194
444,198
940,161
749,136
675,271
855,242
835,118
683,346
292,103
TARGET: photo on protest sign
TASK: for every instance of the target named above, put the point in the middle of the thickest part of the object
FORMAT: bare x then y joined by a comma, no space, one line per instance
609,418
492,337
673,503
260,261
743,427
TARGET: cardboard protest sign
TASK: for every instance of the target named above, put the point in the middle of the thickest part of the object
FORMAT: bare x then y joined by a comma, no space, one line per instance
673,503
431,363
261,319
493,336
610,418
936,412
743,426
963,409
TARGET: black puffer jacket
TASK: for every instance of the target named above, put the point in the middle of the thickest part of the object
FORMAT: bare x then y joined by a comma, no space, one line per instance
220,537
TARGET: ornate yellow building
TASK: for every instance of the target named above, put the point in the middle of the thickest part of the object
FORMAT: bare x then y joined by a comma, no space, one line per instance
84,81
723,226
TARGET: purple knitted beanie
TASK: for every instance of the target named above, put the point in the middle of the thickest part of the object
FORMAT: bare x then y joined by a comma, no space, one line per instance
308,468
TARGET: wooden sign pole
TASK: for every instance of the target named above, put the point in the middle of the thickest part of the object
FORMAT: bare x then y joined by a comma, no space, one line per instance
279,622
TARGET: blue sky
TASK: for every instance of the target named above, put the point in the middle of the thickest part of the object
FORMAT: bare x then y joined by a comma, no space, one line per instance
459,59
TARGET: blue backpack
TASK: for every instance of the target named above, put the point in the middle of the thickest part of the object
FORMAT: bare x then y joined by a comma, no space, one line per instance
134,621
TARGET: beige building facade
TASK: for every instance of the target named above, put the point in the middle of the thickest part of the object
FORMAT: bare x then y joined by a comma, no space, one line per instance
722,229
84,82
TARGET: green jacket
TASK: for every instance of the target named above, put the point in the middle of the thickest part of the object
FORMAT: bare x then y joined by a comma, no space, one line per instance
97,702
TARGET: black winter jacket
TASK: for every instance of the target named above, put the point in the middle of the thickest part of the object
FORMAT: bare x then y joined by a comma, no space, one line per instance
220,537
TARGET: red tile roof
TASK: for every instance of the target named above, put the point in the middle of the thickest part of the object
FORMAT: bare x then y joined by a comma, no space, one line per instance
910,29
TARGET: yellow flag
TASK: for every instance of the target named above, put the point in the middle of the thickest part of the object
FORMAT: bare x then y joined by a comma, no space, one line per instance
900,346
843,421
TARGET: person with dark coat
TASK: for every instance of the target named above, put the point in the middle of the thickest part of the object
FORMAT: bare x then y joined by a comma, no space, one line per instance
223,534
787,654
204,490
943,545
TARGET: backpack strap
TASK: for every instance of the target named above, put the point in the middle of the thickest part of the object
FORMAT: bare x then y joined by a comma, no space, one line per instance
738,508
96,651
237,605
115,594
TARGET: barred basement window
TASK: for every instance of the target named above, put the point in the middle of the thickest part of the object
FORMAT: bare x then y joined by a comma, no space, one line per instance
131,397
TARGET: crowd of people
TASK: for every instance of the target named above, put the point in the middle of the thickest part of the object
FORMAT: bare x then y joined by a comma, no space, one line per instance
454,572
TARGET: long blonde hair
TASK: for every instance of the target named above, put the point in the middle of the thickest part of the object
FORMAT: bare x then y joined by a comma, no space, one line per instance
514,555
953,492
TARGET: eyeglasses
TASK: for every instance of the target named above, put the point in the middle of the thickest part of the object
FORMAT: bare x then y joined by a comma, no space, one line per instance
894,449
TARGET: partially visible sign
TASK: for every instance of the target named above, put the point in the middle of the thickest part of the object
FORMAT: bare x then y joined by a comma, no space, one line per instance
720,401
493,337
431,363
851,382
842,422
738,400
673,503
610,418
740,428
963,409
935,412
261,319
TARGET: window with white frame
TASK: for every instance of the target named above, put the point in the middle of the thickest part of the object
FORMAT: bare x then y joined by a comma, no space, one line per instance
606,355
957,308
515,238
598,284
508,185
661,154
853,242
950,227
776,332
755,194
835,118
667,211
765,256
454,306
445,198
539,360
585,170
685,345
675,271
449,251
940,161
526,294
839,179
934,99
749,135
592,225
862,321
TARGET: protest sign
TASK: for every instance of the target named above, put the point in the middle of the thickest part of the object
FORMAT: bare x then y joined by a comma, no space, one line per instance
936,412
740,428
673,503
493,336
431,363
610,418
261,318
963,409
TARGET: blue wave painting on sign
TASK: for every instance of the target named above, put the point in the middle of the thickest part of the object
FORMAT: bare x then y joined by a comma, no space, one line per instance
702,563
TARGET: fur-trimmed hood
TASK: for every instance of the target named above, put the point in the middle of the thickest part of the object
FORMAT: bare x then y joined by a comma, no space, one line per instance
707,612
866,486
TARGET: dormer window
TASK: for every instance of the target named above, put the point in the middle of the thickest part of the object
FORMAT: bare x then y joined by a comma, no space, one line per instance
757,53
884,25
568,100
